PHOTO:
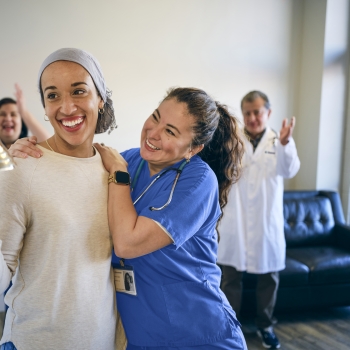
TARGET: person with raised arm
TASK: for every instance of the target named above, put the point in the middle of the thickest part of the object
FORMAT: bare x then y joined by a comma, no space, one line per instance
252,232
16,120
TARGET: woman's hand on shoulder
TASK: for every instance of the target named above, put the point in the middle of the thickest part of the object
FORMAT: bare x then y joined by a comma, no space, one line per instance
111,158
25,147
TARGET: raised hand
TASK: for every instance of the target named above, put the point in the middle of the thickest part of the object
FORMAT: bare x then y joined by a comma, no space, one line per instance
19,98
286,130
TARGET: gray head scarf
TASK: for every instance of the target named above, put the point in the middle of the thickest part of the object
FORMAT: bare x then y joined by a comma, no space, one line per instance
106,120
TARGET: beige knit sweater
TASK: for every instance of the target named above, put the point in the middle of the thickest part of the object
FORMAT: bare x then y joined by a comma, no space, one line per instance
57,246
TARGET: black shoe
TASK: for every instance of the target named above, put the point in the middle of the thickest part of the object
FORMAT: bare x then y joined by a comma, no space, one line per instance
269,339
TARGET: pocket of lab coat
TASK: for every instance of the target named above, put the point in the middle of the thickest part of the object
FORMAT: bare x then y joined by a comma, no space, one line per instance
270,162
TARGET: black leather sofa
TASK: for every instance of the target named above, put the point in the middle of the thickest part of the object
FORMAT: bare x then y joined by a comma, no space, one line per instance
317,272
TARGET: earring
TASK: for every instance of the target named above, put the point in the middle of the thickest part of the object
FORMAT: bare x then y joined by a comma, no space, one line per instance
47,120
101,110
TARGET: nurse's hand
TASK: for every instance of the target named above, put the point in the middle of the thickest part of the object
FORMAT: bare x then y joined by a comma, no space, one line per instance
111,158
287,130
25,147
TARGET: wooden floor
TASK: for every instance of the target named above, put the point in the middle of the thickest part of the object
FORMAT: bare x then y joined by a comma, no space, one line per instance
324,330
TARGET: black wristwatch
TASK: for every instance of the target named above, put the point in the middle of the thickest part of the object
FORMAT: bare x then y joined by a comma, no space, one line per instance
120,178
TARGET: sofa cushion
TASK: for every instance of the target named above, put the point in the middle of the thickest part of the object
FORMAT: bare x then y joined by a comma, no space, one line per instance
295,274
308,221
326,264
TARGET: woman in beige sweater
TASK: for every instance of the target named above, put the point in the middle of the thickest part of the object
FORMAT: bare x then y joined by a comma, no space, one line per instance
56,245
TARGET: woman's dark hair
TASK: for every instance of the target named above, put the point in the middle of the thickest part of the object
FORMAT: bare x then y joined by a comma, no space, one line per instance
9,100
218,130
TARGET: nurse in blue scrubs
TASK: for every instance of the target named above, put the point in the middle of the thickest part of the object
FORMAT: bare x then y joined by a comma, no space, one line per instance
165,199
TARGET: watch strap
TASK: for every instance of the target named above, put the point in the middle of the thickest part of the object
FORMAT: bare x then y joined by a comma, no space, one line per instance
120,178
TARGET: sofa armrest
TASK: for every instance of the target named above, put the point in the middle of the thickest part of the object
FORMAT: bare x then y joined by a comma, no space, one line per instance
336,205
342,236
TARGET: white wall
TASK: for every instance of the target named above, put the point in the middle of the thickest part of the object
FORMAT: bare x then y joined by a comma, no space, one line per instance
322,98
227,47
346,164
334,95
309,91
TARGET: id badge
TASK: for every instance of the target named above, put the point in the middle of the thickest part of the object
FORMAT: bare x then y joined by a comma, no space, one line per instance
124,279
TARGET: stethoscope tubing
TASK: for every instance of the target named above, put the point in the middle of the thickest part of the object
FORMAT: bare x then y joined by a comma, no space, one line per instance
179,171
147,188
171,193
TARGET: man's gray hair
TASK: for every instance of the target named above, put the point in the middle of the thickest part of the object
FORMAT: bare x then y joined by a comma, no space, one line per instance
253,95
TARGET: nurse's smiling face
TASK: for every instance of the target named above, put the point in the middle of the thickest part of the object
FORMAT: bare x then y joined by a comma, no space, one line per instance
167,135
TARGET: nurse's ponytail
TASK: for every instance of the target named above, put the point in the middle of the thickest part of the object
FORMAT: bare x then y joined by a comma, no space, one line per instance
224,152
218,130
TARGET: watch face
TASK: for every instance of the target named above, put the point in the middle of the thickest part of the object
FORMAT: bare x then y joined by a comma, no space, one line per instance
122,177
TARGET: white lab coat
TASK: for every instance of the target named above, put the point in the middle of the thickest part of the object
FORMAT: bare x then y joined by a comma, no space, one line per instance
251,230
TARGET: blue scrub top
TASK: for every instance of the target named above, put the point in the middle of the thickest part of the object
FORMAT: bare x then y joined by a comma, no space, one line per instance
178,301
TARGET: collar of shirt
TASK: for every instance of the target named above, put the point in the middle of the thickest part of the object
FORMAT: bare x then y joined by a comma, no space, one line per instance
254,140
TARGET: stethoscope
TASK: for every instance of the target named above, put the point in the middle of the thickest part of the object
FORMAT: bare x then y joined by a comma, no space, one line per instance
178,171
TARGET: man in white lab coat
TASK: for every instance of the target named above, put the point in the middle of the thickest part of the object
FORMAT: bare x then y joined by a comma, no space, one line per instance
251,231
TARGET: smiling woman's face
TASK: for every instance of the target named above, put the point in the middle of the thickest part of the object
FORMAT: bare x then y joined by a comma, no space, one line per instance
10,124
71,104
166,135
